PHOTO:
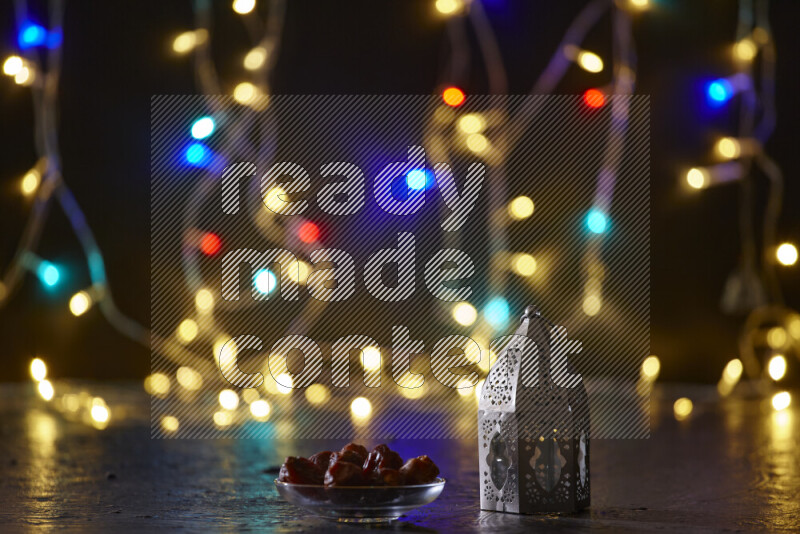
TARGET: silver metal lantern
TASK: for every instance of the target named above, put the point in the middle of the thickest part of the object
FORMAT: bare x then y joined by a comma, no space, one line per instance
533,425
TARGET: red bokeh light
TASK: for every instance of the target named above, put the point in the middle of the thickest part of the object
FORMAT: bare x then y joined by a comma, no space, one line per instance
594,98
308,232
453,96
210,244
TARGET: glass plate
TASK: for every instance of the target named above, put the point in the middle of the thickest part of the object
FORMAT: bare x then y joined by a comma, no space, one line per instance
362,504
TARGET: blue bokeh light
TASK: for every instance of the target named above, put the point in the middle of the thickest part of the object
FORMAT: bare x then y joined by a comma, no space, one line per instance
54,38
597,221
30,35
203,127
497,312
265,281
197,154
719,92
48,273
417,179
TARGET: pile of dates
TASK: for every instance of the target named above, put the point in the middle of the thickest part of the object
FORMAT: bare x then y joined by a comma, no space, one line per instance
354,466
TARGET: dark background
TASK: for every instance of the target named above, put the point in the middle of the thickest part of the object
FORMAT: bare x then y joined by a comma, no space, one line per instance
116,55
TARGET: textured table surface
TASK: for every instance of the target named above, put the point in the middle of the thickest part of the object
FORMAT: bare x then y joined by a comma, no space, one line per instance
732,466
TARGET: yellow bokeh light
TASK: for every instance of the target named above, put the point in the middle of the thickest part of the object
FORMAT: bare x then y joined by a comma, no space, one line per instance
697,178
477,143
361,408
187,41
520,208
776,337
471,123
228,399
260,409
38,369
224,349
273,199
299,271
786,254
683,408
284,383
745,50
46,390
640,4
100,412
651,366
465,313
782,400
204,301
157,384
523,264
25,76
30,182
12,65
244,7
80,303
317,394
777,367
187,331
371,358
245,92
189,378
592,305
449,7
794,326
170,423
255,58
589,61
223,419
729,148
733,371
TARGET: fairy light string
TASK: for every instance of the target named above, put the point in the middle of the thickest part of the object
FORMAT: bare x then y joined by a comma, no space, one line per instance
753,45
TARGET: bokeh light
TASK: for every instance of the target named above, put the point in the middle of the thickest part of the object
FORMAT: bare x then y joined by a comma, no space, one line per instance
465,313
520,208
589,61
371,358
497,312
187,331
596,221
683,408
203,127
697,178
243,7
30,182
255,58
471,123
777,367
12,65
453,96
361,408
265,281
594,98
651,366
260,409
38,369
189,378
781,400
46,390
308,232
80,303
204,301
317,394
228,399
523,264
786,254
